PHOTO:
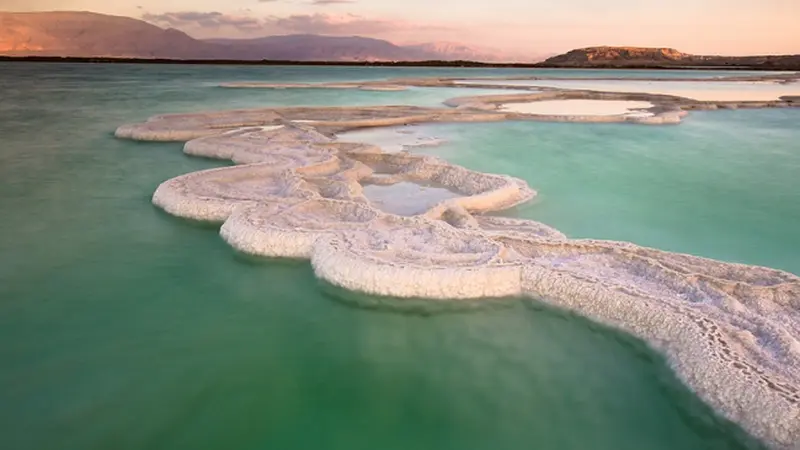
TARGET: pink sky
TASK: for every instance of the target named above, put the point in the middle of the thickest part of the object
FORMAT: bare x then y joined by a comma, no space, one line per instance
521,26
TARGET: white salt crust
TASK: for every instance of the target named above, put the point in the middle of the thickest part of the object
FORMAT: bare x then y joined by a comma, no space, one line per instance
580,107
730,331
701,90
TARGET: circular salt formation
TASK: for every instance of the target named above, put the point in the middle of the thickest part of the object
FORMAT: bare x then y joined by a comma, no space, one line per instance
289,231
415,258
212,195
225,145
281,146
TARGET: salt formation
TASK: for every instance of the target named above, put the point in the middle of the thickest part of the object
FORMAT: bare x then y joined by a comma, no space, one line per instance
701,90
730,331
365,86
579,107
212,195
416,258
290,231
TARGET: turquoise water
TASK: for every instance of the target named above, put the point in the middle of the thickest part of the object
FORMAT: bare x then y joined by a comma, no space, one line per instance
723,184
122,327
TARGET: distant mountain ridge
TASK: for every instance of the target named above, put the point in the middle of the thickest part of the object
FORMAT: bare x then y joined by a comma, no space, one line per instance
630,57
85,34
312,47
90,34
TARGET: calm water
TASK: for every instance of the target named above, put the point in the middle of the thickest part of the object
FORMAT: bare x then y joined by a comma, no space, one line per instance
723,184
124,328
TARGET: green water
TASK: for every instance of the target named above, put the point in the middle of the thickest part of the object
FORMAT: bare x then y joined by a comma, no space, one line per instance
723,184
124,328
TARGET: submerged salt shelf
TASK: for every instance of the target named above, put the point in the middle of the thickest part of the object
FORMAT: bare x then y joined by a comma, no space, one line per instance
392,139
696,90
729,330
406,198
581,108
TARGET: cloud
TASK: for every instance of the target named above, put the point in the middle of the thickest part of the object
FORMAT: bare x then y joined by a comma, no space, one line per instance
329,2
196,19
333,24
184,18
343,24
216,24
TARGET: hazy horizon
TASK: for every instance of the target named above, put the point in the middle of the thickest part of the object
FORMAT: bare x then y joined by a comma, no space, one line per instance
722,27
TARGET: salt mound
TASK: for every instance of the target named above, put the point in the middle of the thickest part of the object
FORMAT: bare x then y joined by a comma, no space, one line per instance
415,258
285,147
289,231
212,195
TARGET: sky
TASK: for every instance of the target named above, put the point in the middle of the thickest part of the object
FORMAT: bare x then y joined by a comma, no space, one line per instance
534,27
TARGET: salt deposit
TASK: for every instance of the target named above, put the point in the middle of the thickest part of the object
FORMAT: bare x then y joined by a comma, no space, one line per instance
701,90
366,86
581,108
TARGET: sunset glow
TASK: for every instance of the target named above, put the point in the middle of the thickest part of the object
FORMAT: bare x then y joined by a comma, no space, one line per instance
724,27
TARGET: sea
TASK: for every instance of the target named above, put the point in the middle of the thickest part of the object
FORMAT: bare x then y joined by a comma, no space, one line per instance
122,327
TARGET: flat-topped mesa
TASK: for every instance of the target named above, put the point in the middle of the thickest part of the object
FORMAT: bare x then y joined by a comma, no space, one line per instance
604,54
610,56
601,53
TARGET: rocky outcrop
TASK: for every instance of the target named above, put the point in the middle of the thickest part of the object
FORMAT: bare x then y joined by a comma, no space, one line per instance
633,57
594,55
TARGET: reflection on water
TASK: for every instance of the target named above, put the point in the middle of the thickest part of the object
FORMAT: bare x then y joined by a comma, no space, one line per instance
407,198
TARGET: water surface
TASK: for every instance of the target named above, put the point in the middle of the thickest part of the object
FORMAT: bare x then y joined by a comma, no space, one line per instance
723,184
122,327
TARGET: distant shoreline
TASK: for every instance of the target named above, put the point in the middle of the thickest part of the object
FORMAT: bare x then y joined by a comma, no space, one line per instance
465,64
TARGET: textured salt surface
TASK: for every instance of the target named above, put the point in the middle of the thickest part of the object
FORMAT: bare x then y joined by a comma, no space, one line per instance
580,107
730,331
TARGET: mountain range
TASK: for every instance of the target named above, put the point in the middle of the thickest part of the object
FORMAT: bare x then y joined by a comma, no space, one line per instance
86,34
92,35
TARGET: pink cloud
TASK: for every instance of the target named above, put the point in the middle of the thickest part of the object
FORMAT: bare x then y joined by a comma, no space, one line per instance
195,19
216,24
330,2
348,24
